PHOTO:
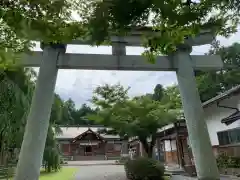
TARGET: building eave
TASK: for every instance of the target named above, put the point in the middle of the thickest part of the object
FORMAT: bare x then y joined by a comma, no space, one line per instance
222,96
232,118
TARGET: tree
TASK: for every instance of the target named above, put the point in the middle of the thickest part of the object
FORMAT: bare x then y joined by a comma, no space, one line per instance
17,87
173,20
169,96
22,20
172,97
212,83
51,156
158,92
80,115
14,99
138,117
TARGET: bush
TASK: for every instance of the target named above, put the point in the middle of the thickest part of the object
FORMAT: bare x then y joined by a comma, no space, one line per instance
222,161
225,161
123,160
51,159
144,169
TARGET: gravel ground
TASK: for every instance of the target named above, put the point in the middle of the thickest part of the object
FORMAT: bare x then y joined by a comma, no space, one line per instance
116,172
101,172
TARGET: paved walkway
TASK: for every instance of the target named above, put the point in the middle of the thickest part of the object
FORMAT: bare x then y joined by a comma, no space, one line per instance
106,170
101,172
179,177
90,163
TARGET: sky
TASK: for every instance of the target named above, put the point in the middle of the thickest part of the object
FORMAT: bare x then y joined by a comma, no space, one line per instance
79,84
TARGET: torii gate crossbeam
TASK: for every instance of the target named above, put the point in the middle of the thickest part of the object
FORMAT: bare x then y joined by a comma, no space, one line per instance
126,62
53,57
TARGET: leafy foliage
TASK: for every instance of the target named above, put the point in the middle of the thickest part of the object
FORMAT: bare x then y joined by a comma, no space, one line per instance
14,100
45,20
16,92
225,161
51,157
173,20
144,168
71,115
212,83
16,87
23,21
52,21
138,117
169,96
158,92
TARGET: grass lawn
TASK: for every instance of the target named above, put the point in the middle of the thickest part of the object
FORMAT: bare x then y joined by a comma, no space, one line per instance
66,173
166,177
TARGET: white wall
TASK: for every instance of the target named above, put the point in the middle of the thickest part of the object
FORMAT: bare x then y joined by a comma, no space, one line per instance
214,115
168,145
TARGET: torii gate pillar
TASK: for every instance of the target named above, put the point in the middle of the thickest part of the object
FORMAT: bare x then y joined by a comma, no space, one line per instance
31,154
204,159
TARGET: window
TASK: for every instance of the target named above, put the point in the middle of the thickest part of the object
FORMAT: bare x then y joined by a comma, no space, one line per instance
223,138
231,136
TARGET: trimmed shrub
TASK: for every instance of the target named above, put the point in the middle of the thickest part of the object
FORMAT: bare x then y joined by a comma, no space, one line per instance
144,169
123,160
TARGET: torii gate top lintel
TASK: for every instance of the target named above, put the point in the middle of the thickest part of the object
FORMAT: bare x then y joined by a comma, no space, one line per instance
118,60
134,38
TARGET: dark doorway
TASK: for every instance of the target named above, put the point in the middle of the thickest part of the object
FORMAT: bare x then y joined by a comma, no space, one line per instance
88,150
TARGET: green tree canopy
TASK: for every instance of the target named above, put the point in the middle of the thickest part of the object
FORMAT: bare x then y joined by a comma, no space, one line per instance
52,21
139,117
173,20
212,83
158,92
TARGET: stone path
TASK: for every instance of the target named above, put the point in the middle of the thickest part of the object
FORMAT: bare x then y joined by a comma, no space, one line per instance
90,163
116,172
179,177
101,172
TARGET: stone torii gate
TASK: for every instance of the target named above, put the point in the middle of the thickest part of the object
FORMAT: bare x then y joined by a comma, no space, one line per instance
54,57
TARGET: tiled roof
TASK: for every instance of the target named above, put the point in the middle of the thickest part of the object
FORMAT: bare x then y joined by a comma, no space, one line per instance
232,118
221,96
72,132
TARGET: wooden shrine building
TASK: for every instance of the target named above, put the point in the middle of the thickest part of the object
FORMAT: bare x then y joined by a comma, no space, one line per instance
85,143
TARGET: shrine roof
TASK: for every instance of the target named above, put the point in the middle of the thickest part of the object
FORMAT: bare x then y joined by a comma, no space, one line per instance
72,132
222,96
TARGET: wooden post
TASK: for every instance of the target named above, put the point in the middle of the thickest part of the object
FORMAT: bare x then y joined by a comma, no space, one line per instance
171,149
164,150
69,148
178,145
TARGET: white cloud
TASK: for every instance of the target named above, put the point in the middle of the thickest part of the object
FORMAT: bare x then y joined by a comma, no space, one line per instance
79,84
